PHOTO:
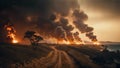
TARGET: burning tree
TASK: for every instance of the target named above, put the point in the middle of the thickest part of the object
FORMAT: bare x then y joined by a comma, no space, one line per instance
34,39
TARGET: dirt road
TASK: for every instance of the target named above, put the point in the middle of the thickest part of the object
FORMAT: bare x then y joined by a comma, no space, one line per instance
57,59
61,58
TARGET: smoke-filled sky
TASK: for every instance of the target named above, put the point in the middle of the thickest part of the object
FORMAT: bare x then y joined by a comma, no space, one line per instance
104,16
64,19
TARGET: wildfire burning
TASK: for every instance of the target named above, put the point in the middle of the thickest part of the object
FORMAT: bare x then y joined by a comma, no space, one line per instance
61,20
96,43
14,41
55,41
11,33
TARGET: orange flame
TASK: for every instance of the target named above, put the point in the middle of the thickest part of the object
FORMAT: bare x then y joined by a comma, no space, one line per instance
68,42
14,41
11,33
96,43
56,41
13,37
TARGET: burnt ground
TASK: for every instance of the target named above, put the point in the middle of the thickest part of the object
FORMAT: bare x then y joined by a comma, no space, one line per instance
57,56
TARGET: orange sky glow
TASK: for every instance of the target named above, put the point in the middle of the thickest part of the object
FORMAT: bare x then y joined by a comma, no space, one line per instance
106,23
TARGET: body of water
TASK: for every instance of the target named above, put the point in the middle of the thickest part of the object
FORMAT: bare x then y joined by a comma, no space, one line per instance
113,46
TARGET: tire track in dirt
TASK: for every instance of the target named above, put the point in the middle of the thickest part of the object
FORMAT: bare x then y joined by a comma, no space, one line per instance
57,59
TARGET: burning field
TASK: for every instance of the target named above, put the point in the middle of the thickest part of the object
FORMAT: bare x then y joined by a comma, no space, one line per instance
55,29
60,22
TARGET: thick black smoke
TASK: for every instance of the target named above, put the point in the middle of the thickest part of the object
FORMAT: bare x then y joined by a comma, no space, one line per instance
80,17
46,16
77,38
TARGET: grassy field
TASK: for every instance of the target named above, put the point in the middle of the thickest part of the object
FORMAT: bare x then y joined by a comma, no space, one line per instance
56,56
13,54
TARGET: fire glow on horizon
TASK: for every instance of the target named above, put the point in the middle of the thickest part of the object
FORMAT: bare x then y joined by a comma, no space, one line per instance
14,41
96,43
55,41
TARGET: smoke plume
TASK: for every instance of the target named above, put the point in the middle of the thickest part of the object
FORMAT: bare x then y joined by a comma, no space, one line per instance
48,17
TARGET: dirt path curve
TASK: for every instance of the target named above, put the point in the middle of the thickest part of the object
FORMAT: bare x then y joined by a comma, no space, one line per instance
57,59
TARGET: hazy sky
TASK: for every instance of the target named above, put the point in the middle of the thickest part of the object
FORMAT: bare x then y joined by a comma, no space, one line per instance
104,16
